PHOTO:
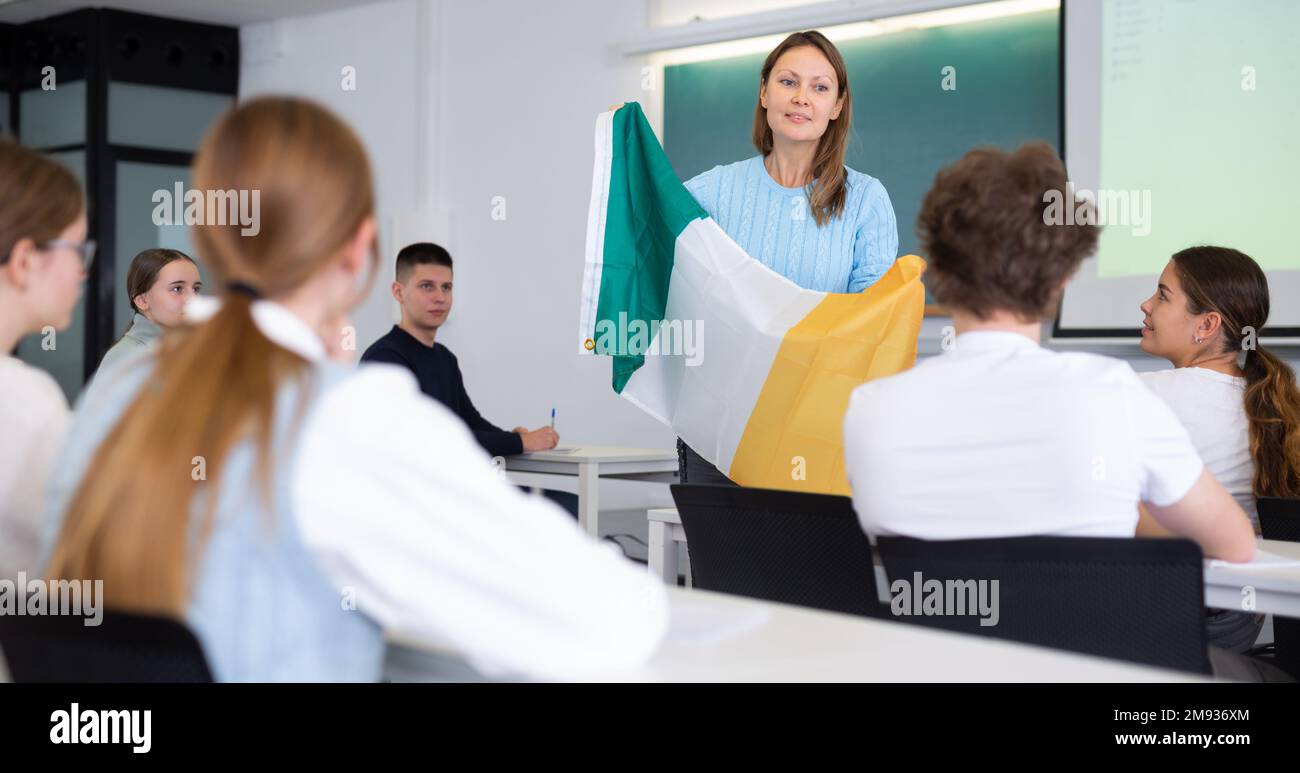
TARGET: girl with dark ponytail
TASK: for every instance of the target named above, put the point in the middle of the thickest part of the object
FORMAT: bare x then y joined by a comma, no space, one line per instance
1273,406
1208,314
1238,400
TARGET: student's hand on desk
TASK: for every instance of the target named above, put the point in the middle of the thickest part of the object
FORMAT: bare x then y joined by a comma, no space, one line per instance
543,439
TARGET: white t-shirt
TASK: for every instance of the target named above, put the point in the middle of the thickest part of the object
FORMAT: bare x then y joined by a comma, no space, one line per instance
1211,405
34,418
1000,437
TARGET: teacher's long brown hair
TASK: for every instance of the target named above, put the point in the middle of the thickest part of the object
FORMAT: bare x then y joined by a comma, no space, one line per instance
830,187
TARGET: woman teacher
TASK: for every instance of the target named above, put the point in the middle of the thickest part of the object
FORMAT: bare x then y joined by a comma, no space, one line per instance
796,207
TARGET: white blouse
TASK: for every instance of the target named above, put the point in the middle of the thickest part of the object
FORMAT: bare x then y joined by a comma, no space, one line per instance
408,516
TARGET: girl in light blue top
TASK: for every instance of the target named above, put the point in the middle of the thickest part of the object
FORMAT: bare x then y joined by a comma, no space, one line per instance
158,285
796,207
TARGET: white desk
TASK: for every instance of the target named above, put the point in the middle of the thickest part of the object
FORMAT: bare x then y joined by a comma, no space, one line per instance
666,533
1277,588
589,464
769,642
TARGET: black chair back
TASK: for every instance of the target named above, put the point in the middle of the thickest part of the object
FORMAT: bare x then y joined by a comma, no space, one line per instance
1279,519
1140,600
784,546
122,648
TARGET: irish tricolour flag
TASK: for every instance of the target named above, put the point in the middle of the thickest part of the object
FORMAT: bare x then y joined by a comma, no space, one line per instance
751,370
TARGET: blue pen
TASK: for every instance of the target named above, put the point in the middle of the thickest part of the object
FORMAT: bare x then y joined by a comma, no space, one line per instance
552,418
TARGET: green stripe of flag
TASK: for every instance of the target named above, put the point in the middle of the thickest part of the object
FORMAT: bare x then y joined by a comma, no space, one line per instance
647,208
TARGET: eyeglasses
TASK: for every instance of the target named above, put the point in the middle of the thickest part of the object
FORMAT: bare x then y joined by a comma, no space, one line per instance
86,249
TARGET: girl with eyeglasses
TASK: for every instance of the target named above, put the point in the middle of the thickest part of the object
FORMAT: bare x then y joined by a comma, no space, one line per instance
43,259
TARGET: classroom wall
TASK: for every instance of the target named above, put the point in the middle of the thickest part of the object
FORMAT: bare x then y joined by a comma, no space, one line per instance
518,124
304,56
665,13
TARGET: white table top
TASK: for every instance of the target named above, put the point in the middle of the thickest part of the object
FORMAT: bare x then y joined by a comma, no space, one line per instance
665,514
1280,578
599,454
777,642
722,638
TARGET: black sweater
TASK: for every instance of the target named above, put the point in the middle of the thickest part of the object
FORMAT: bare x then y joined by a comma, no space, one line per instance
439,375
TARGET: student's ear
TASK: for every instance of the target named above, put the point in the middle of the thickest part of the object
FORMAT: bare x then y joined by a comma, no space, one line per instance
18,268
397,291
141,303
1209,325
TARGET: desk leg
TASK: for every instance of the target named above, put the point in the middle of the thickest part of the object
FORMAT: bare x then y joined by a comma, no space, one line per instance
589,497
663,553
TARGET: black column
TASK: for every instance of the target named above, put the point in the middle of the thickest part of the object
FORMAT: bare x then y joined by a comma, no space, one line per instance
103,47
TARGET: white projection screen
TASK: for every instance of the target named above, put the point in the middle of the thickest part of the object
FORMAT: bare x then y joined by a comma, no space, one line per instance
1182,118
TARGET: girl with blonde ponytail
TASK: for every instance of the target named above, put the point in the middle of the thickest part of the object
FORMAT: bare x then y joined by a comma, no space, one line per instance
308,506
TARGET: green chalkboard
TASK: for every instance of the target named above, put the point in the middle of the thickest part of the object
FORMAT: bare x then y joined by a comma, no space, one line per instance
905,125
